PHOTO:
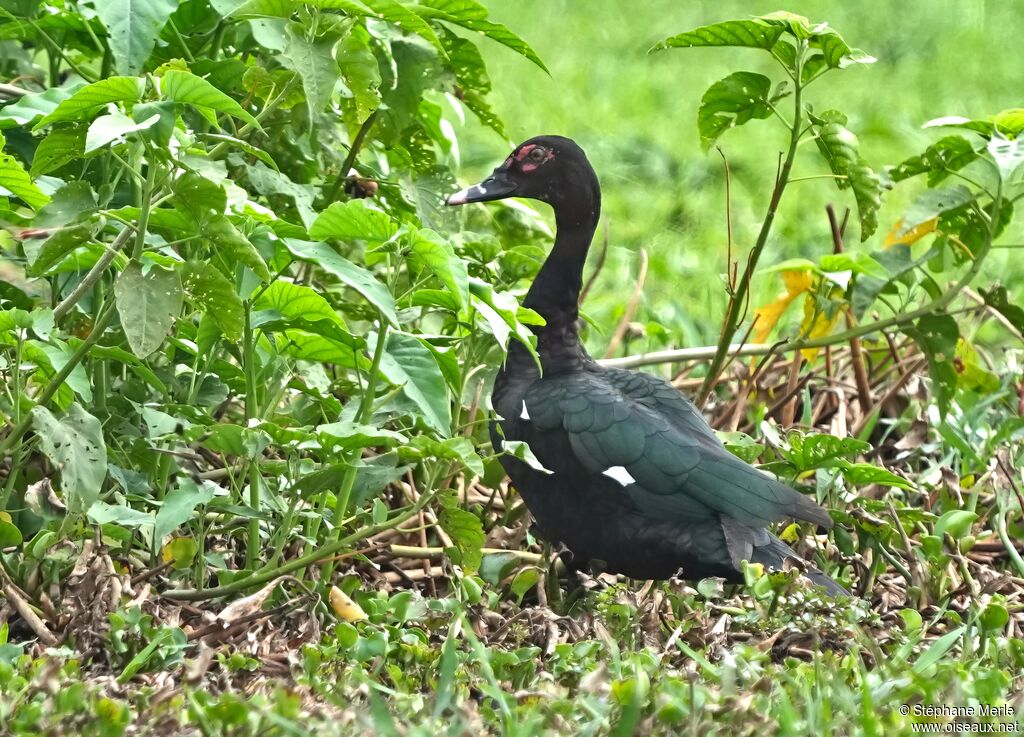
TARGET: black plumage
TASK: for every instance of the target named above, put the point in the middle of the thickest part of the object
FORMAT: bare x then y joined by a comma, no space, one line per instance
634,480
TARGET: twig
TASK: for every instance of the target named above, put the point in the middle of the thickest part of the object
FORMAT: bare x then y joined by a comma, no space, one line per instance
11,91
353,151
631,306
860,373
108,255
789,408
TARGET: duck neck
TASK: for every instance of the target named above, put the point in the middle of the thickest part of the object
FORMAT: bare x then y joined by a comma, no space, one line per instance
555,292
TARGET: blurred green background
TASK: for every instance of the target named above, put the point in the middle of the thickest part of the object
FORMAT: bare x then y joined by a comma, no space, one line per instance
635,115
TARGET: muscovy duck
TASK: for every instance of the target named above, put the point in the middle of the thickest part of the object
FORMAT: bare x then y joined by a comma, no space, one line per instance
634,481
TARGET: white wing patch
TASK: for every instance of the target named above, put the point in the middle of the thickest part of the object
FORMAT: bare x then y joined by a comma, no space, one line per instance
524,415
620,474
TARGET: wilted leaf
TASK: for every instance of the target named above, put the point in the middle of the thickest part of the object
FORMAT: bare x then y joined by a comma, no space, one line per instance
345,607
767,316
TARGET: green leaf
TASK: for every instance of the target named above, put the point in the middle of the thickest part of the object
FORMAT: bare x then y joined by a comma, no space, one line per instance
411,365
938,649
360,73
836,53
112,127
60,147
214,294
16,180
862,474
348,435
354,220
428,250
32,107
808,452
937,337
473,16
89,100
740,97
841,150
74,444
748,33
187,88
998,298
348,273
134,26
933,203
297,301
148,304
946,155
956,523
10,535
223,233
180,503
314,62
466,531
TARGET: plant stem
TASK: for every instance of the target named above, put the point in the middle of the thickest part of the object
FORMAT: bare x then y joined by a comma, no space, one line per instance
353,151
311,558
93,276
737,301
252,550
348,481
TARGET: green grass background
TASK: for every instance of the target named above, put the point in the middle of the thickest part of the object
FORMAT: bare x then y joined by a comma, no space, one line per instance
635,115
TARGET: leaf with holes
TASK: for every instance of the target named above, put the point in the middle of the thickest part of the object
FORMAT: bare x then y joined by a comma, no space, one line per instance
230,240
148,304
939,160
841,150
465,530
937,336
729,102
75,446
214,294
933,203
360,73
314,62
134,26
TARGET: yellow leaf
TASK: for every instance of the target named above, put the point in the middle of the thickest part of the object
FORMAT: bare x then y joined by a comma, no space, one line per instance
344,607
913,235
791,534
180,551
767,317
816,324
5,517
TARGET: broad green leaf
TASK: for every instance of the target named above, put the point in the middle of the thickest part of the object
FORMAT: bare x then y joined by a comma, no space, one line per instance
297,301
937,336
862,474
348,273
187,88
225,236
16,180
119,514
74,444
348,435
409,364
752,33
89,100
473,16
134,26
148,304
312,346
934,202
180,503
946,155
1009,123
730,102
267,181
466,531
841,150
808,452
214,294
391,11
10,535
199,197
836,53
30,108
360,73
428,250
314,62
60,147
353,220
112,127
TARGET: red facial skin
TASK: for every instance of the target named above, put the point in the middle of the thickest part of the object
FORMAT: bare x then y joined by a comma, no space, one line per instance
521,155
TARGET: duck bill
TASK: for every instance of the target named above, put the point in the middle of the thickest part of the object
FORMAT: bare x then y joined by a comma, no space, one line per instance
495,187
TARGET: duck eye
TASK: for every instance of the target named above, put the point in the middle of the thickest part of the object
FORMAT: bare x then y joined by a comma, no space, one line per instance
537,155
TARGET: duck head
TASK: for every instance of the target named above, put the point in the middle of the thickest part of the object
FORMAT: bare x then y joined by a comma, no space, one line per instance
552,169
